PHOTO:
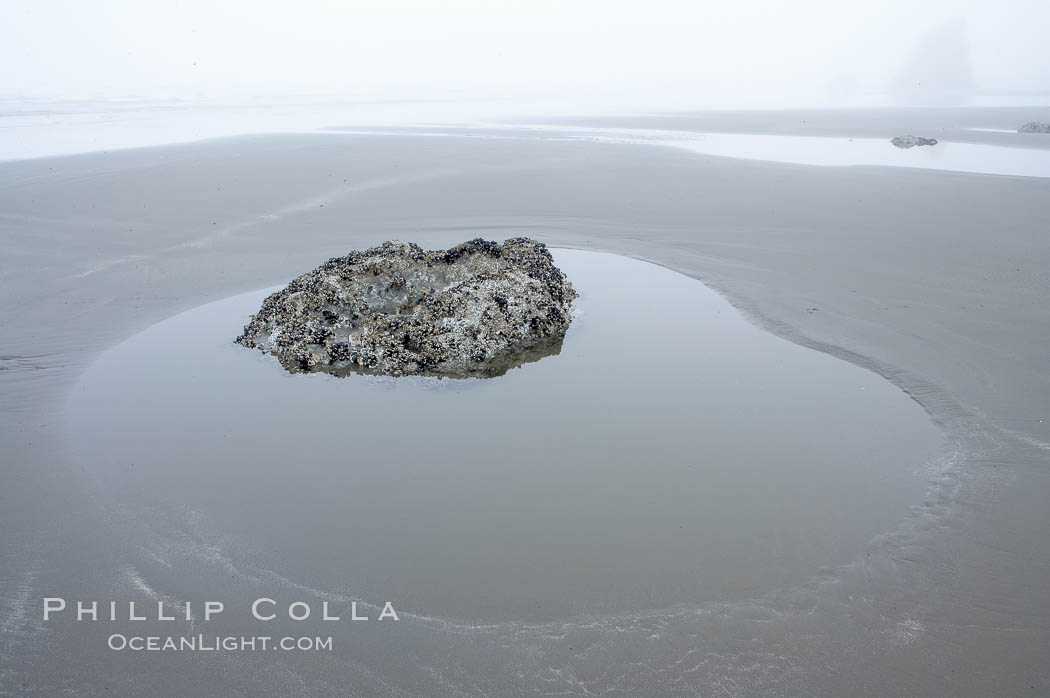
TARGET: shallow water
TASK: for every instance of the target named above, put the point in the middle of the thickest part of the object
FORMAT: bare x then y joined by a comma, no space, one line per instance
840,152
824,151
671,454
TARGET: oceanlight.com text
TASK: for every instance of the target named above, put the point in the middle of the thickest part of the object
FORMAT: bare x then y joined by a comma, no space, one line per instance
217,643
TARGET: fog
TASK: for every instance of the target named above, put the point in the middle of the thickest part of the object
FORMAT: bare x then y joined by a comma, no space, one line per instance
653,51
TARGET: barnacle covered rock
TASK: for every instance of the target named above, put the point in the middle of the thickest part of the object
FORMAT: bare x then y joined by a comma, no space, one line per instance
1034,127
912,141
477,309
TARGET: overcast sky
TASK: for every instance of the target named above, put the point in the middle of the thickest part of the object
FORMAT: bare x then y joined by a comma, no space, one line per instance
397,48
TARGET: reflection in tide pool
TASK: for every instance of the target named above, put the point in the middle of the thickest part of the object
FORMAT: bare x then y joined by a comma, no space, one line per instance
672,453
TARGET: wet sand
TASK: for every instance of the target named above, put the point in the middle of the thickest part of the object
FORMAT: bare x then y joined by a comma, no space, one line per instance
937,281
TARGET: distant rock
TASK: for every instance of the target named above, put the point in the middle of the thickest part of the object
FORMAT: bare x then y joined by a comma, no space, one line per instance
1035,127
477,309
912,141
939,70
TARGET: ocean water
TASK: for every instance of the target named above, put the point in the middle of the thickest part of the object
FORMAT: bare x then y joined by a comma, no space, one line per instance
41,128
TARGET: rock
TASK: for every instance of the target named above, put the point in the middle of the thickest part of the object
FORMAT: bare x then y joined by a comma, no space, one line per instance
1034,127
912,141
477,309
939,70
